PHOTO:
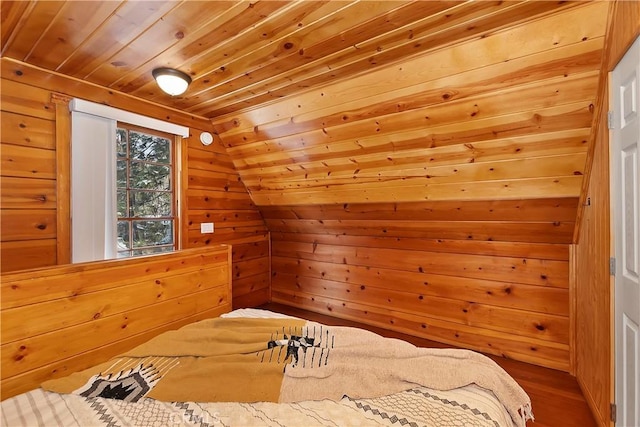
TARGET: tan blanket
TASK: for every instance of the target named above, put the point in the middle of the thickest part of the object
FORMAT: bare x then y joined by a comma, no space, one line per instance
285,360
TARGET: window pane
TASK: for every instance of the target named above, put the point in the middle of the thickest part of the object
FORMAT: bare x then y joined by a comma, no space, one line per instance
121,142
123,235
150,148
150,204
151,233
150,176
145,193
121,170
122,203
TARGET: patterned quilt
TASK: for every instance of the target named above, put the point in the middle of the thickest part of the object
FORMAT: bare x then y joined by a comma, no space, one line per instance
247,371
418,406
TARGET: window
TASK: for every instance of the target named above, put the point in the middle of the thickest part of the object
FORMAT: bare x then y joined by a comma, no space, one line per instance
144,207
145,193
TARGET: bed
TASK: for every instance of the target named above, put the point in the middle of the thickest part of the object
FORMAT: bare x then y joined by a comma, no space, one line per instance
333,376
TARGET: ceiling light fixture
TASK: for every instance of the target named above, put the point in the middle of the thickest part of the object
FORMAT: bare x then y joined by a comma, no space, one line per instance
171,81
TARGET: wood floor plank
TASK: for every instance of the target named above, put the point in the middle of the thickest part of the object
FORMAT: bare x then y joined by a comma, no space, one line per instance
555,396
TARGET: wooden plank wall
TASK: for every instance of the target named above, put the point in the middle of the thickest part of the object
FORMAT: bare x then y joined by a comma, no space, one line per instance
594,286
210,185
436,196
60,319
214,193
455,272
27,177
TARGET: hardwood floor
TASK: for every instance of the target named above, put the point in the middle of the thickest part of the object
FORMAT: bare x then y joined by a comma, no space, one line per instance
555,396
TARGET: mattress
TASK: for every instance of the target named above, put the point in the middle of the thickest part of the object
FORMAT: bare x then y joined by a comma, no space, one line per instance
470,405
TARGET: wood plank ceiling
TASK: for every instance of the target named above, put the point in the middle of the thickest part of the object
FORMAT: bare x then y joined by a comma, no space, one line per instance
418,163
376,101
241,54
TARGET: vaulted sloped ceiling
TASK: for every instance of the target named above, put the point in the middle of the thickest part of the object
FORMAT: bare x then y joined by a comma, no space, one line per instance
502,116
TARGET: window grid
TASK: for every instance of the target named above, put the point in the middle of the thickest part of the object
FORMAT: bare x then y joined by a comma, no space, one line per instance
128,246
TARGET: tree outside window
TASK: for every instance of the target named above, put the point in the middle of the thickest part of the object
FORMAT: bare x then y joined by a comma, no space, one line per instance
145,191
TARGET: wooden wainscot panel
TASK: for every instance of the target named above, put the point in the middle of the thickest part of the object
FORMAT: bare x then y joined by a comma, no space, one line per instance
30,287
65,312
59,368
57,316
34,352
536,351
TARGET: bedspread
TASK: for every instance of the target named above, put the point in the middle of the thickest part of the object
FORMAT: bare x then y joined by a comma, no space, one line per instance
286,361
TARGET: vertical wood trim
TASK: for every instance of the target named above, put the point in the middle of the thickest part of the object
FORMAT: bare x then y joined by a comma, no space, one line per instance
595,301
573,304
183,186
270,268
63,178
600,103
230,273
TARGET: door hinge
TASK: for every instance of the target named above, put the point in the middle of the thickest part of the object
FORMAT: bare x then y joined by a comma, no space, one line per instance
610,119
614,410
612,266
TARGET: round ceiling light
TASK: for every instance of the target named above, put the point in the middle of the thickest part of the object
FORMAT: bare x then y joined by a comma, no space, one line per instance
173,82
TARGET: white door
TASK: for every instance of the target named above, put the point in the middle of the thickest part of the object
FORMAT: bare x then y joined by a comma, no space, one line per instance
625,91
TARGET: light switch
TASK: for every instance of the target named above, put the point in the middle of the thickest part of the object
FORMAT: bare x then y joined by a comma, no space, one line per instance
206,227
